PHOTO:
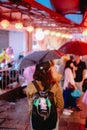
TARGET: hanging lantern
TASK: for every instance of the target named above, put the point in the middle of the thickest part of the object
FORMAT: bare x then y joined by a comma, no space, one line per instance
30,28
39,34
58,34
47,32
19,25
84,32
4,23
52,33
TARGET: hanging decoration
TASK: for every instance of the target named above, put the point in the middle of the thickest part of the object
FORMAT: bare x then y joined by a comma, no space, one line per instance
4,23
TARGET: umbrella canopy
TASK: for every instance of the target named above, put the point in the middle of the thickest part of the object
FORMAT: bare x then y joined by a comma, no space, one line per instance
74,47
38,57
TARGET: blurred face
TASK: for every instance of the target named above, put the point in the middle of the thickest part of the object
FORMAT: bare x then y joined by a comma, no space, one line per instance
71,65
77,58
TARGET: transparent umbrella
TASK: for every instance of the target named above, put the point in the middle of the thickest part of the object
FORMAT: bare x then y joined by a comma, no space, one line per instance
38,57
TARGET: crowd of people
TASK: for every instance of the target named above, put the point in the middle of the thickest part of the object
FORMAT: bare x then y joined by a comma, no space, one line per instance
74,73
71,72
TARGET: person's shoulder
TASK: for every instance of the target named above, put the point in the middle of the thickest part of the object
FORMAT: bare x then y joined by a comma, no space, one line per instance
30,83
56,87
31,88
67,70
83,63
56,76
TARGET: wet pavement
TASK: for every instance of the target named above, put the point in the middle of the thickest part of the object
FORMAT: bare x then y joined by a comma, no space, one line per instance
14,116
75,121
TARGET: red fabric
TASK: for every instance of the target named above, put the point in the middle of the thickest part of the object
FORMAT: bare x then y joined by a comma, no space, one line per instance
74,47
58,17
65,6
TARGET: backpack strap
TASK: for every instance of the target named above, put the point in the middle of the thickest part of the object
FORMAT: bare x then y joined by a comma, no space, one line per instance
36,85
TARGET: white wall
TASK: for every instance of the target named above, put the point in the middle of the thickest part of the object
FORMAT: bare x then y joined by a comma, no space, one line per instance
18,41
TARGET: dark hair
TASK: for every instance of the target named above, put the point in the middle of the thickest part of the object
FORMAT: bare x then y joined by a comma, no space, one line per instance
67,65
42,73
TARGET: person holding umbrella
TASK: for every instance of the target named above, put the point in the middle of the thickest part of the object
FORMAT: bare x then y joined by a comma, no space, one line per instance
80,71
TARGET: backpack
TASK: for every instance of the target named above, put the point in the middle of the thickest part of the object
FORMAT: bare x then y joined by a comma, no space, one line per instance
44,112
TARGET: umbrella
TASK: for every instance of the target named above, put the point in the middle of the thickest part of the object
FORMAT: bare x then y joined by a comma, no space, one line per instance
74,47
38,57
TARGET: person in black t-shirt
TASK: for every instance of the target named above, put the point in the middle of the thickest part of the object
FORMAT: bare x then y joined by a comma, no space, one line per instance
80,71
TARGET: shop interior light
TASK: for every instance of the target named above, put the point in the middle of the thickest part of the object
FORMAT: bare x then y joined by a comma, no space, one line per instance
4,23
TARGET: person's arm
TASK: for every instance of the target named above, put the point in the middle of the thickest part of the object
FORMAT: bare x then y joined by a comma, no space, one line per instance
84,74
84,71
74,71
30,90
70,77
59,100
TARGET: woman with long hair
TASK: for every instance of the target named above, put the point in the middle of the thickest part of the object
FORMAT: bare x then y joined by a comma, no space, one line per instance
69,74
44,78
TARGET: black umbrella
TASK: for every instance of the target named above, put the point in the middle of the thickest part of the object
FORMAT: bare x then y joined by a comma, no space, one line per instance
38,57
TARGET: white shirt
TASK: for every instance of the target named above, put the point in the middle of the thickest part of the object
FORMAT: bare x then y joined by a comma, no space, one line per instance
68,77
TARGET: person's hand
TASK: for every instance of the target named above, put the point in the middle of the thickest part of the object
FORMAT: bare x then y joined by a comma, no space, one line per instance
59,112
74,68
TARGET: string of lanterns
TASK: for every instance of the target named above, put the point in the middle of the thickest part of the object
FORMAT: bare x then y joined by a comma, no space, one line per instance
39,32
